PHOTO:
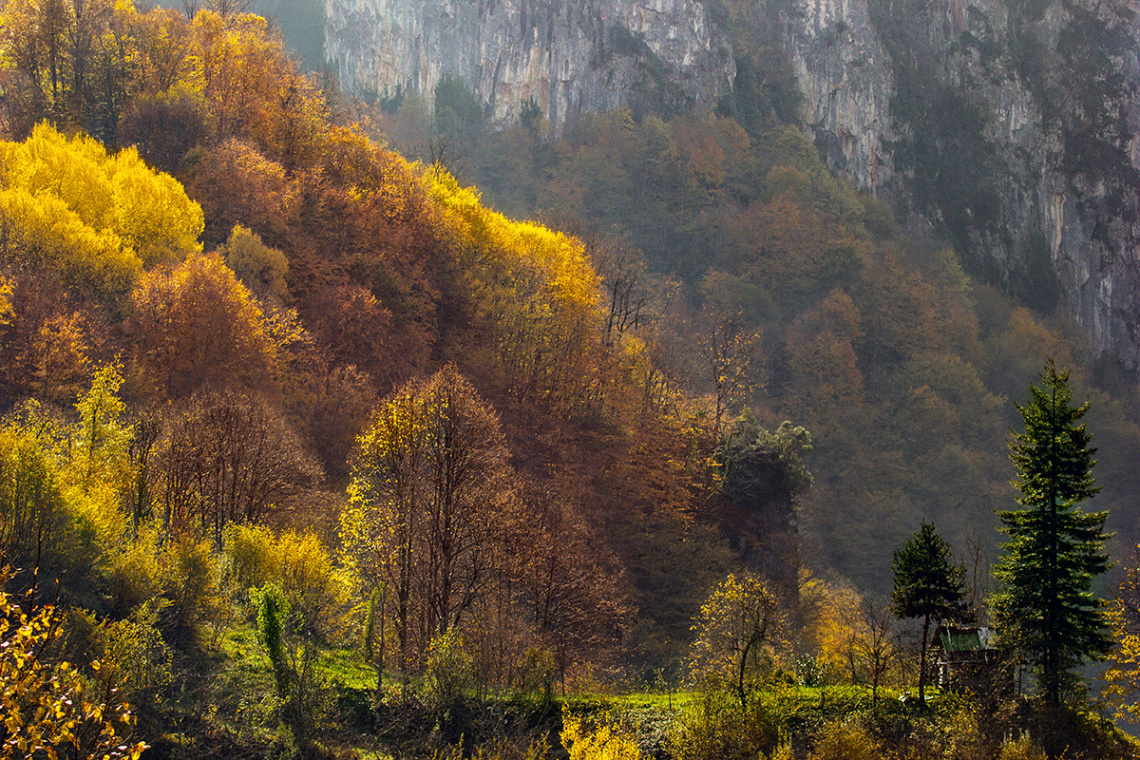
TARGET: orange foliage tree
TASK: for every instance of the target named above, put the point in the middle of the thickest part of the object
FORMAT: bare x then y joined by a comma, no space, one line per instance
196,326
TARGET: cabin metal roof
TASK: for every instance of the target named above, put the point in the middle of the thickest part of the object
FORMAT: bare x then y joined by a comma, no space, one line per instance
966,639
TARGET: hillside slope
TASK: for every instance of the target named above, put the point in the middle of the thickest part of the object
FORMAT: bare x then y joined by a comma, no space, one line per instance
1008,126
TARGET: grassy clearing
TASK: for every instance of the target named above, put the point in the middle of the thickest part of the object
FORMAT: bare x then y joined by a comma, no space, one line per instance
242,717
244,706
347,668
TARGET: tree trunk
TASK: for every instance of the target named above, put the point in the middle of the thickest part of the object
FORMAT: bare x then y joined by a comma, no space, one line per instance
922,663
383,642
740,674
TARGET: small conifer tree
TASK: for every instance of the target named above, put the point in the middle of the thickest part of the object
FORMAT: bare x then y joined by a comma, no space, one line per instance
927,585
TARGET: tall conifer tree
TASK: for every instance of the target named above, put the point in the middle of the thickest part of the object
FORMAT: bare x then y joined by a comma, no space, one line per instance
1045,606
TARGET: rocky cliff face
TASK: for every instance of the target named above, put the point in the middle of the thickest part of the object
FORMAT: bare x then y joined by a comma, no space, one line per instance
1010,126
568,56
846,80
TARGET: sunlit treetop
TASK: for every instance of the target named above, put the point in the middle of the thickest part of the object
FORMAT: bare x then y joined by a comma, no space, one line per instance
148,210
562,260
153,214
173,308
97,219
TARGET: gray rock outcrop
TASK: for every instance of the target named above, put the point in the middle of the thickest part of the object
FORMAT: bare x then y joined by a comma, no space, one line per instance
567,56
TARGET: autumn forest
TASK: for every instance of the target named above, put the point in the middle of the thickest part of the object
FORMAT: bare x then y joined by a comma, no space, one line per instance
350,427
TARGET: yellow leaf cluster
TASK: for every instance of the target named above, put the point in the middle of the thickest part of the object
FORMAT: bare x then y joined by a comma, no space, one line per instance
153,214
46,708
603,742
298,563
835,621
537,292
560,261
7,285
1122,679
67,205
42,231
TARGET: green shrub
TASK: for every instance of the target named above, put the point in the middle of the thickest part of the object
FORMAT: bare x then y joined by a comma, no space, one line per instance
303,694
272,611
298,564
135,659
539,671
714,727
191,580
134,575
449,670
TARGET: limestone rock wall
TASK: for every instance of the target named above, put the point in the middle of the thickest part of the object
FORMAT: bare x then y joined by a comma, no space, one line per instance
569,56
845,77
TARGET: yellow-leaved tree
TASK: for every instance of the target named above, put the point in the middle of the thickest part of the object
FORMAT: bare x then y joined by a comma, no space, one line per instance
95,219
62,485
1122,678
821,621
253,91
738,630
536,291
430,489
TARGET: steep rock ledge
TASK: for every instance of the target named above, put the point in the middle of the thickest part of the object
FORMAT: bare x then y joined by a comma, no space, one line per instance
845,77
568,57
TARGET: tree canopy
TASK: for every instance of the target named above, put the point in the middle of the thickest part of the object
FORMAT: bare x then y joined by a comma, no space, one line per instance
430,479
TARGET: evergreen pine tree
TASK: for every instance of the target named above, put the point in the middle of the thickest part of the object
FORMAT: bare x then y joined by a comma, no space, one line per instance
927,585
1045,606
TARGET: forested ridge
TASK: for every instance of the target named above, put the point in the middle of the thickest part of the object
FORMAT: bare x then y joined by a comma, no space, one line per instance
309,449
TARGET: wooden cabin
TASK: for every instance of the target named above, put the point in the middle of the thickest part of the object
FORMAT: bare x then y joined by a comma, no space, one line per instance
968,657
